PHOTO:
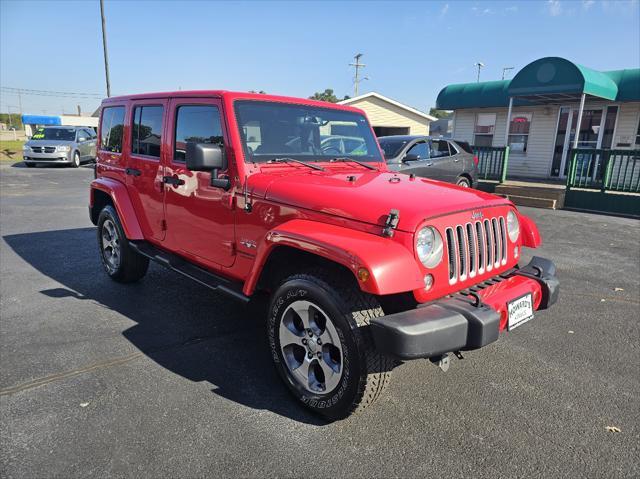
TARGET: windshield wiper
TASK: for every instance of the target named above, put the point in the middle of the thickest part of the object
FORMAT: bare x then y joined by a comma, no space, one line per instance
361,163
293,160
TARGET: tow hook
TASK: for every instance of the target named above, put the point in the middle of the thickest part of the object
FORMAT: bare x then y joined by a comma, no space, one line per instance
444,360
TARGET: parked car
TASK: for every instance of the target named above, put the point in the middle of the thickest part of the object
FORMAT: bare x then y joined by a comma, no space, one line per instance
452,161
67,145
364,267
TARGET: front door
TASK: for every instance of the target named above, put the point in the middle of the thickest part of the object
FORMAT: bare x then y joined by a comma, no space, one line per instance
589,136
145,165
200,217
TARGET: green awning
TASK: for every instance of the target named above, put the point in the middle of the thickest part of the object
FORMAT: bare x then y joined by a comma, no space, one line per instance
548,80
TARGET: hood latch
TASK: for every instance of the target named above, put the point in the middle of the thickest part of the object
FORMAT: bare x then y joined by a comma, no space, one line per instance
391,224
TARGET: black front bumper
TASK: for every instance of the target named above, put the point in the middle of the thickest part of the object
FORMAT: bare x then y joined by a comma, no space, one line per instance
454,324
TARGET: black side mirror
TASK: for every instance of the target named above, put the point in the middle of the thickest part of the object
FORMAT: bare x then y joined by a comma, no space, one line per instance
411,157
208,157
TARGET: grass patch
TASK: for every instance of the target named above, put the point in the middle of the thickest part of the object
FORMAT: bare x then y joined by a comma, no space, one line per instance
11,150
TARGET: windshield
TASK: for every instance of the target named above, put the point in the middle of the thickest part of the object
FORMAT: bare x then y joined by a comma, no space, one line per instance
271,130
61,134
391,148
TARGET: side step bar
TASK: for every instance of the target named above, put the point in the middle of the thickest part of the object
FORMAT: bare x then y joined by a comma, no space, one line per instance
191,271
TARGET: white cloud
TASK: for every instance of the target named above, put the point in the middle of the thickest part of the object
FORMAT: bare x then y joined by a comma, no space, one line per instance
444,10
554,7
512,8
587,4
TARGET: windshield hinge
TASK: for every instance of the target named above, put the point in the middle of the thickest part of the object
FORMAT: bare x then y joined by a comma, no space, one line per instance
391,223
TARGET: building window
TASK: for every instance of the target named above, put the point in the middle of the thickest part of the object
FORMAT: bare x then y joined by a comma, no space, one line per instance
519,132
485,126
638,134
146,134
198,124
111,129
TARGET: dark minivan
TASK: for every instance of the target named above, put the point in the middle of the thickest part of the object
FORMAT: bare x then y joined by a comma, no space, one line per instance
439,159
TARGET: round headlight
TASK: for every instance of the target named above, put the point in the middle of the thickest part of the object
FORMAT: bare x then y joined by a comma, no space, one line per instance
429,247
513,226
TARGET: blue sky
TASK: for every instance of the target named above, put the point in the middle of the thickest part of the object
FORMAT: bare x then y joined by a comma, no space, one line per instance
411,49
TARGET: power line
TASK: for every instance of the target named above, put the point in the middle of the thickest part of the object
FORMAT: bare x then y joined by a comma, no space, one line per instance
51,93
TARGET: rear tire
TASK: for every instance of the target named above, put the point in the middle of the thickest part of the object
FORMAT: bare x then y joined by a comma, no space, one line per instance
463,182
120,261
344,373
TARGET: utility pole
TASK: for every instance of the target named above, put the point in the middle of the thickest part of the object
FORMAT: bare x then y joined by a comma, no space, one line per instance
480,65
505,70
104,47
357,66
20,101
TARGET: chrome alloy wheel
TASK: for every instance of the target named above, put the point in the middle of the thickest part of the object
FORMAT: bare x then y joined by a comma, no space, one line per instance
311,347
110,246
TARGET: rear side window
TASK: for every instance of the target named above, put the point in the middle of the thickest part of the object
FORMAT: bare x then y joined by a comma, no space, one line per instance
111,129
439,148
146,131
465,146
196,123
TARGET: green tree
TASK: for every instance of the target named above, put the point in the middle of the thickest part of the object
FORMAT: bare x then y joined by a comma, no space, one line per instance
328,96
15,120
439,113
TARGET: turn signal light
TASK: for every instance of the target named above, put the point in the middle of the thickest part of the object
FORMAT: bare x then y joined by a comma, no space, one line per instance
363,274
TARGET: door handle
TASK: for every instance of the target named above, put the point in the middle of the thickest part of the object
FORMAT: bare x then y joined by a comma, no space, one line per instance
456,160
172,180
133,172
429,164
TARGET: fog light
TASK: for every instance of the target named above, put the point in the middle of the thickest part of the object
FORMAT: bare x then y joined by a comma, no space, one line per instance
428,281
363,274
515,252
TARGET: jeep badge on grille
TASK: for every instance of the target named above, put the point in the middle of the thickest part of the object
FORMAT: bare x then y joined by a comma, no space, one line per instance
477,215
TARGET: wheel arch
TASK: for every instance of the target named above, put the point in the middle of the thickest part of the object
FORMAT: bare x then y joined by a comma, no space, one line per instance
391,267
106,191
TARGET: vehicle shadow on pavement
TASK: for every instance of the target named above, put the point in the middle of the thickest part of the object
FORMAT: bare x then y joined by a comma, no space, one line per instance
181,325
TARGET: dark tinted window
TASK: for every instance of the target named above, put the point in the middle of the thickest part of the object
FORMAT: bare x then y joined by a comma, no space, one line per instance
439,148
391,148
112,129
419,149
146,133
465,146
196,123
61,134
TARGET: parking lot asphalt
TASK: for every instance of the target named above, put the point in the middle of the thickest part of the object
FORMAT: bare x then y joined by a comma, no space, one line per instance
164,378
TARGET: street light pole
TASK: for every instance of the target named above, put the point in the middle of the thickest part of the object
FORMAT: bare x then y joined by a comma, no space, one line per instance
104,47
479,65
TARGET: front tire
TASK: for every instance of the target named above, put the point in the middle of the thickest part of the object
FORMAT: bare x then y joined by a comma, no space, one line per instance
120,261
76,160
463,182
321,347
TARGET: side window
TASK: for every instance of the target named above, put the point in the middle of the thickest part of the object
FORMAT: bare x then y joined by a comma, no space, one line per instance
146,131
92,134
111,129
439,148
419,149
196,123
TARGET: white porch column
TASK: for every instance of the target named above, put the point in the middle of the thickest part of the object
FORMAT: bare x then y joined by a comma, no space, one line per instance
506,132
579,123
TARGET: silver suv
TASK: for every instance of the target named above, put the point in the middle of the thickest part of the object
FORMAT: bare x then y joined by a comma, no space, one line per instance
69,145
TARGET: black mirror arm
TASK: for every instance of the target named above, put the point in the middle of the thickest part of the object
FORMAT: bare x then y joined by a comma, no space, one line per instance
224,183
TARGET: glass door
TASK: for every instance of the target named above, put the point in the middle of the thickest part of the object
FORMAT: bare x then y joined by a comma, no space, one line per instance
589,135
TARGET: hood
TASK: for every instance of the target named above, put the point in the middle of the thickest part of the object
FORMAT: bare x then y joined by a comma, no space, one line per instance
48,142
369,196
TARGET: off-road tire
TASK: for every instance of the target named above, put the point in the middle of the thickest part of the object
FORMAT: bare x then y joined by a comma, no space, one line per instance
132,266
76,160
463,181
366,373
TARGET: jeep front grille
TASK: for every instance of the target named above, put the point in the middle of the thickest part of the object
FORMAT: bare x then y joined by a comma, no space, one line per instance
476,247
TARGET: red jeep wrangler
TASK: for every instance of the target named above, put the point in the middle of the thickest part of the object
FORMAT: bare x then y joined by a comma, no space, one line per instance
246,193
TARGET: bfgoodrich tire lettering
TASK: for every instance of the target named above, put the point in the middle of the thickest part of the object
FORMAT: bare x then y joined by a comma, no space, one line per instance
365,372
120,262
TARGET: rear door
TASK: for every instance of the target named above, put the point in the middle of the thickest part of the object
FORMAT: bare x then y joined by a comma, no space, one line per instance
146,148
200,217
445,166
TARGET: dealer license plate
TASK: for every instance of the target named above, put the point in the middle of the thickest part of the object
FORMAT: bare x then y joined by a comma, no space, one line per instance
520,311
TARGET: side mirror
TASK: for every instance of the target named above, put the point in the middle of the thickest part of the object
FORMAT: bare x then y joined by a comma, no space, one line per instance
82,138
410,157
208,157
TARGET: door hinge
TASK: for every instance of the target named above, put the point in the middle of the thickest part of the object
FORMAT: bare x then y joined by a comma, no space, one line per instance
163,225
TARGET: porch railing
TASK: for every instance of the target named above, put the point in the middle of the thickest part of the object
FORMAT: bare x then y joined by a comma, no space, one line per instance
606,170
492,162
